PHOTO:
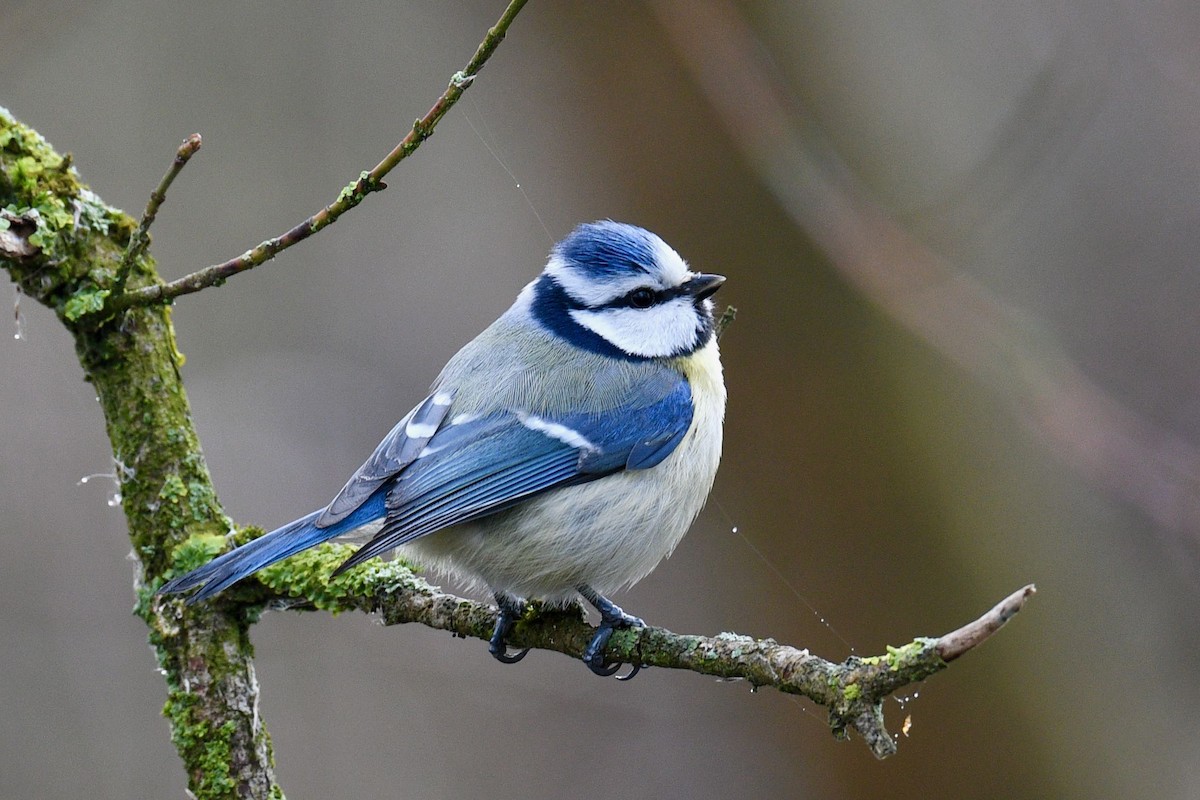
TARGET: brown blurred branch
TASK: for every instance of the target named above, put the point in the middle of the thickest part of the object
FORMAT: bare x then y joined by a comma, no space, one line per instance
1145,465
853,690
724,321
368,182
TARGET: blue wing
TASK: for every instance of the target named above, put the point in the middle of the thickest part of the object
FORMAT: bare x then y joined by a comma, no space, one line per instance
476,468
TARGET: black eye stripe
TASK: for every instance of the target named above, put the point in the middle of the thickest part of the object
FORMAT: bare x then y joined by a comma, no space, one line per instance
657,297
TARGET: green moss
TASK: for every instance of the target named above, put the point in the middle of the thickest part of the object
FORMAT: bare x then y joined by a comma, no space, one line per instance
99,217
851,692
904,656
193,501
43,188
201,499
85,301
207,747
196,551
172,489
307,574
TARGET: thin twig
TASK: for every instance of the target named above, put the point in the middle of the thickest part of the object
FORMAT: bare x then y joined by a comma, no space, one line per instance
141,236
853,690
724,321
955,643
367,183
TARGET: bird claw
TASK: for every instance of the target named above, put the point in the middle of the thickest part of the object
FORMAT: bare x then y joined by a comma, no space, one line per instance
608,670
636,669
603,670
611,618
505,657
511,610
593,655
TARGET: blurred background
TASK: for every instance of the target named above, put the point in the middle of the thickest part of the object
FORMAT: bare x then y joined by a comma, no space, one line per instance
961,239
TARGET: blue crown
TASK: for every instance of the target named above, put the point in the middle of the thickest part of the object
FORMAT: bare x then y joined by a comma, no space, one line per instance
608,249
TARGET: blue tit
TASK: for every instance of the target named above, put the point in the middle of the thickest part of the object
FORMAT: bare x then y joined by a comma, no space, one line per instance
564,451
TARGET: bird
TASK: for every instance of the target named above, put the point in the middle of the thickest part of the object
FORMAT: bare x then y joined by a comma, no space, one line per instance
562,453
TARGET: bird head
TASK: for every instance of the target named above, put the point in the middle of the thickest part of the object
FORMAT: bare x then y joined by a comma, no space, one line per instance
620,290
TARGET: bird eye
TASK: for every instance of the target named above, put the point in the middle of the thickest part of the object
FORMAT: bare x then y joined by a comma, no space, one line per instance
641,298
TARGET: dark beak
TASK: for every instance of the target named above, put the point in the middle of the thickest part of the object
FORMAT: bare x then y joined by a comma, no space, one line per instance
703,285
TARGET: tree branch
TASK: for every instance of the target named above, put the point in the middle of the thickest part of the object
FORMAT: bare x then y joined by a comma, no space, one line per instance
68,245
971,635
141,236
724,321
368,182
853,690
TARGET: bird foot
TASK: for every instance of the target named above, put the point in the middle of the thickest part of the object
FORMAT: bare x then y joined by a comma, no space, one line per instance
511,610
611,618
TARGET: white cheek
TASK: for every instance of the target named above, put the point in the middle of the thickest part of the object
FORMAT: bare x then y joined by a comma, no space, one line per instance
661,330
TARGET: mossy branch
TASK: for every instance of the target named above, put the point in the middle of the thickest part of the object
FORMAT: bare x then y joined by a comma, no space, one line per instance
853,690
65,248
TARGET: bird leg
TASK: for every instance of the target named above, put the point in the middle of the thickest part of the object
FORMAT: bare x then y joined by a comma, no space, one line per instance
611,618
511,610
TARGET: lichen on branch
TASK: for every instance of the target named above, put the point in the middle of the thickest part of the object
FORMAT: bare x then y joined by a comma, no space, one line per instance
853,691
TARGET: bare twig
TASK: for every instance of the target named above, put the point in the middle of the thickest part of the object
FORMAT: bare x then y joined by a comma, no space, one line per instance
724,321
853,690
368,182
141,235
955,643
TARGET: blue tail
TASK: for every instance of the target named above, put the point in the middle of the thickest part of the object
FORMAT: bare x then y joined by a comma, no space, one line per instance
229,568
